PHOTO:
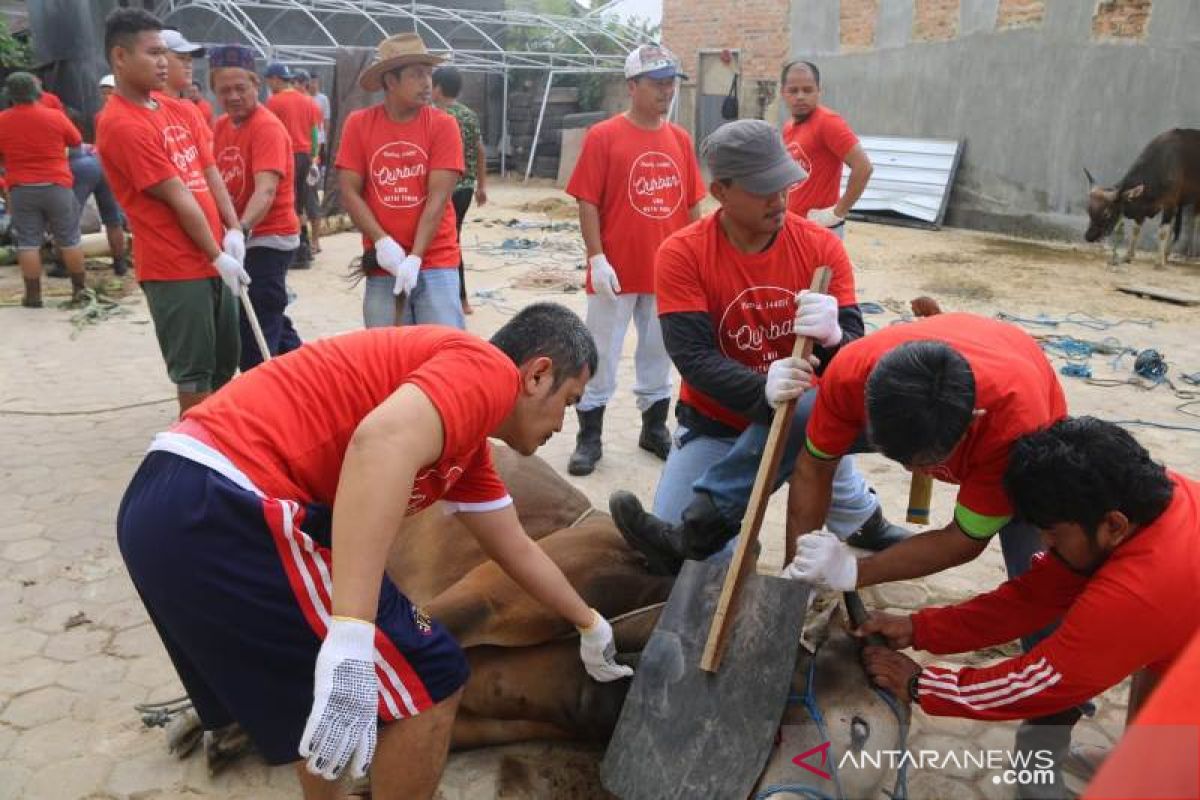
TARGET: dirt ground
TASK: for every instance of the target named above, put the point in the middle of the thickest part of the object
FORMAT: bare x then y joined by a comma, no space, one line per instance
79,403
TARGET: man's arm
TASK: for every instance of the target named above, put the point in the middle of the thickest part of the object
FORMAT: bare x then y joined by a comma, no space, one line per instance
694,212
589,226
389,447
187,210
920,555
860,172
502,538
480,173
266,184
350,185
810,492
224,204
441,186
691,343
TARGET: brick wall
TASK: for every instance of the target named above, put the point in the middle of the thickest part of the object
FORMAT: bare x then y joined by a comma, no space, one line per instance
1121,19
858,18
935,20
1020,14
759,29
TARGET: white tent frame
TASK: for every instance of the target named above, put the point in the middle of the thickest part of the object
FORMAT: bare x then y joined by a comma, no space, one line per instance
389,18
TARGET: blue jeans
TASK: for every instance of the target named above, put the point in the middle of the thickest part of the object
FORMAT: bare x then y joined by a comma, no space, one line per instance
434,301
725,469
267,268
89,179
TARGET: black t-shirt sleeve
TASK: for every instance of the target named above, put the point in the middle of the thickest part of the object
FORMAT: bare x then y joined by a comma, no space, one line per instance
692,344
851,321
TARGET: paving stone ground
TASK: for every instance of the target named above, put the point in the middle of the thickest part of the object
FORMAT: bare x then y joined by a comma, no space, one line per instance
77,412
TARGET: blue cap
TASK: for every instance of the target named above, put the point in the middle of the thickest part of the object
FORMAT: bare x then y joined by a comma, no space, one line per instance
277,70
231,55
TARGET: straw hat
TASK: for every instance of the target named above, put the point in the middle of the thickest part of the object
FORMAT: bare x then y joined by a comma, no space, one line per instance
395,52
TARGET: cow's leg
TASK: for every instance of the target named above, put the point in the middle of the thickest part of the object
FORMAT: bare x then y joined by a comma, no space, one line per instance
1114,240
471,731
1133,240
1164,238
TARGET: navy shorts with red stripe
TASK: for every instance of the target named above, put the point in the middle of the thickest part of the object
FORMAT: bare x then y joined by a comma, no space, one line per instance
238,587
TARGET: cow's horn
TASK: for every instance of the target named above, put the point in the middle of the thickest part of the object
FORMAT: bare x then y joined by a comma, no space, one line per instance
1091,180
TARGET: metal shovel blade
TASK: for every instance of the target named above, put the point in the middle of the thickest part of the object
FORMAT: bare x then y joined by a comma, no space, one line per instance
687,733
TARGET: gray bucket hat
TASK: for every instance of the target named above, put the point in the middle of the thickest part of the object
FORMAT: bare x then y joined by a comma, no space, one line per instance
751,153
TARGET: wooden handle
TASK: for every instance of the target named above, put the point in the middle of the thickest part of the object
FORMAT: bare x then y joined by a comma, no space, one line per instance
259,339
764,479
920,495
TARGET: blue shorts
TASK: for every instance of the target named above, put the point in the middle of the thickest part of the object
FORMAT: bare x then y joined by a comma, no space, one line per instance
238,586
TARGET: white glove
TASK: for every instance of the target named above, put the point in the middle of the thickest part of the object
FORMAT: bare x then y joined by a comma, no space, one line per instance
342,724
406,276
604,277
826,217
314,174
597,650
389,255
232,272
787,379
822,559
235,244
817,317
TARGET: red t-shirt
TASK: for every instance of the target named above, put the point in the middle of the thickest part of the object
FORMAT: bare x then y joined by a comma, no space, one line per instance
394,160
750,298
820,144
140,147
1139,609
206,110
33,143
1014,383
51,100
288,422
260,144
299,113
645,184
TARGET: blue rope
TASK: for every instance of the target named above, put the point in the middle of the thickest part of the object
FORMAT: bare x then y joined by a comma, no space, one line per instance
1080,318
1150,365
1076,370
1151,424
814,711
867,307
797,789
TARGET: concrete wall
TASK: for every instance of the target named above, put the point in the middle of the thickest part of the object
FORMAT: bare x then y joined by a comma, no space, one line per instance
1037,91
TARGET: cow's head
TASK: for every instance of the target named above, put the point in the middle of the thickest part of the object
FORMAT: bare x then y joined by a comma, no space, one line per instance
1105,205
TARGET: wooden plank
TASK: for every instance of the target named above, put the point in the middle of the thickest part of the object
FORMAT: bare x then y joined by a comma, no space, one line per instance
746,554
685,733
1155,293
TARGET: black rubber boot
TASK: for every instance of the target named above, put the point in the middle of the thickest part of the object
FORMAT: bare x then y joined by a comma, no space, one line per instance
877,533
120,266
587,442
702,532
33,293
660,543
655,437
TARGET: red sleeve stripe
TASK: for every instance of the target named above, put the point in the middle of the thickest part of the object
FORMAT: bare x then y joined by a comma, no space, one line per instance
1006,690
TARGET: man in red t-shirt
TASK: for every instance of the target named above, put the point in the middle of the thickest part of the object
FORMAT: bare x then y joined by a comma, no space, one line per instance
254,156
258,529
398,163
301,115
196,94
821,142
1122,570
732,294
33,150
637,182
157,156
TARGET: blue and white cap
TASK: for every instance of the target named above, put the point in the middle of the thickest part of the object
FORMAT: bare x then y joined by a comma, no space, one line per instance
652,61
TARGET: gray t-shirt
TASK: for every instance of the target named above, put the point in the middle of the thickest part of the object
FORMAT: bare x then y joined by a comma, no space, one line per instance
323,102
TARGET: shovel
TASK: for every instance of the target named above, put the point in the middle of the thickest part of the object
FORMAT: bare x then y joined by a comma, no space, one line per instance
259,339
712,683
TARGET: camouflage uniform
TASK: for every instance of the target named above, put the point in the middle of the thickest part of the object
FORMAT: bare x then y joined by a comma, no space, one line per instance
468,124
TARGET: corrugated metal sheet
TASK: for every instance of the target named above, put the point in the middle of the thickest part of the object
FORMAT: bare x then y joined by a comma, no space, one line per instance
912,178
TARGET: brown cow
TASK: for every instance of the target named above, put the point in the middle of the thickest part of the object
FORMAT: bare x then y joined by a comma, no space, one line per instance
1164,179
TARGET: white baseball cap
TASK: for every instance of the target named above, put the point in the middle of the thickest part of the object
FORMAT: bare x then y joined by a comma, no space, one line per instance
176,43
108,81
652,61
